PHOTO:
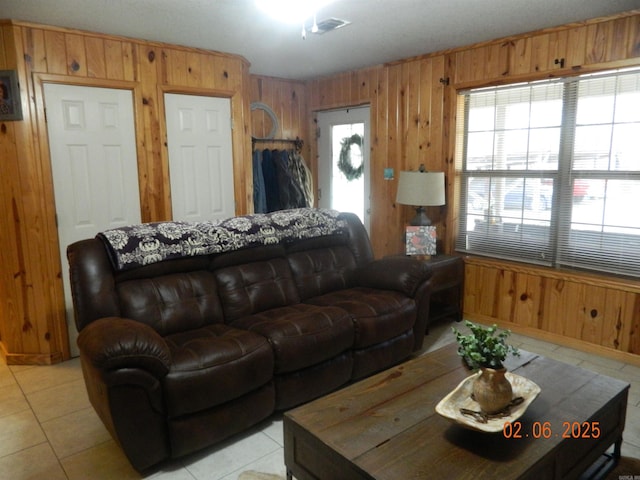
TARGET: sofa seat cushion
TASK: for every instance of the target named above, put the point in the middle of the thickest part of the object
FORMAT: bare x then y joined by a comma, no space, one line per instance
379,315
213,365
302,335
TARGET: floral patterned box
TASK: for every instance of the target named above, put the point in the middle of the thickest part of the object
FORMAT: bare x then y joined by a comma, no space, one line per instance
420,240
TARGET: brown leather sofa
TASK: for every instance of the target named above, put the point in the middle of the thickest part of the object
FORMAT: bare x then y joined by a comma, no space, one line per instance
182,353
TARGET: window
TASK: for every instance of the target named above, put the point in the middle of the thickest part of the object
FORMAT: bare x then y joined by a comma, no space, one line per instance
551,172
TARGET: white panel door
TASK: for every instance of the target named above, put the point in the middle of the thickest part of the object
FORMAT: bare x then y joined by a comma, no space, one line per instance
200,157
334,189
94,165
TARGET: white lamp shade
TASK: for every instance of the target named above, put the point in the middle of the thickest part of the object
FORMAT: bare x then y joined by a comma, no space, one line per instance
421,189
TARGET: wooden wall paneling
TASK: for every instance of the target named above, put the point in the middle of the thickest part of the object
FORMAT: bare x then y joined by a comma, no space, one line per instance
194,69
618,49
96,59
338,94
410,128
633,37
219,72
554,306
521,56
594,314
463,65
473,64
342,91
12,268
52,325
488,287
452,141
4,30
240,106
114,59
557,305
76,55
153,169
598,43
288,110
19,336
130,62
208,71
472,290
386,214
599,40
540,50
634,331
568,319
367,82
174,66
7,309
321,100
33,39
329,92
617,319
527,299
261,124
428,117
394,153
576,47
56,52
436,141
557,50
506,296
39,336
355,87
492,63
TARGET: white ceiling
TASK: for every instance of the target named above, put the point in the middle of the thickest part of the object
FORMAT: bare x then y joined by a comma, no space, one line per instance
381,30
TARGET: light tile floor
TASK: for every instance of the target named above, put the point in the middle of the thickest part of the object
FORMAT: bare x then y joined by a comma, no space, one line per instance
48,429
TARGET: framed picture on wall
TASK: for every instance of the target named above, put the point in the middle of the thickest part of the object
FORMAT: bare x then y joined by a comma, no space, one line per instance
10,105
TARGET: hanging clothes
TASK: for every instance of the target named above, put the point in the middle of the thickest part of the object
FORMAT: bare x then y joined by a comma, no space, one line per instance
302,176
259,189
270,175
291,195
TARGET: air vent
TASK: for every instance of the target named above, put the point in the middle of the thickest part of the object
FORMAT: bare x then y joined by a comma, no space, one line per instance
330,24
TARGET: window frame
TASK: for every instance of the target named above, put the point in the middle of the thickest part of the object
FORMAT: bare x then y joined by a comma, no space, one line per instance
560,249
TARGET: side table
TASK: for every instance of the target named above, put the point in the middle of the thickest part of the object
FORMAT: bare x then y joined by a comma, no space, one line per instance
447,286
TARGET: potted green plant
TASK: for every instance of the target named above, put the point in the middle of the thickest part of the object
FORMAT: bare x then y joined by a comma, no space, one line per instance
485,349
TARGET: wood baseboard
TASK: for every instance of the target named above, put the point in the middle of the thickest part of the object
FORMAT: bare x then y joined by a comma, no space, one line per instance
29,358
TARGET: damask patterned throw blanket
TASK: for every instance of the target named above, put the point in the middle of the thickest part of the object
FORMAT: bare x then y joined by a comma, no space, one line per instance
147,243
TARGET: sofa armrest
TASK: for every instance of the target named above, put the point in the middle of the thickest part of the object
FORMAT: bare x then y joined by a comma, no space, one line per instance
403,274
113,342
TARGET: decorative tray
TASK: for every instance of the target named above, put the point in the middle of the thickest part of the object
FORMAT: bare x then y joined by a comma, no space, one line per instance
460,398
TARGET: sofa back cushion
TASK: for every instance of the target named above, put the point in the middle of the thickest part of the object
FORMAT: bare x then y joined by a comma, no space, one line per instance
322,270
250,288
172,303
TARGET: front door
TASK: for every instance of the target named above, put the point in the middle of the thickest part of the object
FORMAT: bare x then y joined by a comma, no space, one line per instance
200,157
94,165
344,185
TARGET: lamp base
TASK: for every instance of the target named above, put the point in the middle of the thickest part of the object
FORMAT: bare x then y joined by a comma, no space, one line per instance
421,219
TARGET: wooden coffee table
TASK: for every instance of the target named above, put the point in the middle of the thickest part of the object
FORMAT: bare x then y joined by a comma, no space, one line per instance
386,426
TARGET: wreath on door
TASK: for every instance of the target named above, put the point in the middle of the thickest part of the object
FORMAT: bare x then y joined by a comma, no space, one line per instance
345,165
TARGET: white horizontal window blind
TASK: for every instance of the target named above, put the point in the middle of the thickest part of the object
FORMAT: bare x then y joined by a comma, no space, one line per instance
551,172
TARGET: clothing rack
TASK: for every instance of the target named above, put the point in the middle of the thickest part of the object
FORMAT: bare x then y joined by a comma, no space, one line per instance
298,143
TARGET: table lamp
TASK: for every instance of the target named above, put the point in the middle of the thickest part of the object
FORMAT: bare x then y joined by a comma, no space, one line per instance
421,189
